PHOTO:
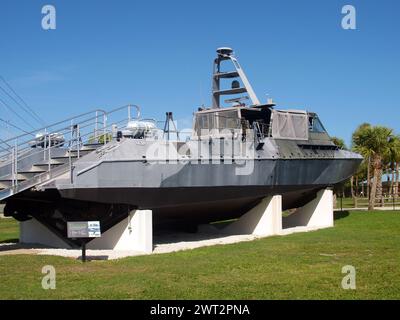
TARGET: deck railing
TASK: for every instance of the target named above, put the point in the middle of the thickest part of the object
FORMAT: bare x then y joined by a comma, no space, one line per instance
69,135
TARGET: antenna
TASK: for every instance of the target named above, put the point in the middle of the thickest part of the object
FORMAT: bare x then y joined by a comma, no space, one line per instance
225,53
237,102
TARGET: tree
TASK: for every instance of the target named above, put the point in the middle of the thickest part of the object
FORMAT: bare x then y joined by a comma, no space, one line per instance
100,138
339,142
373,142
367,157
394,145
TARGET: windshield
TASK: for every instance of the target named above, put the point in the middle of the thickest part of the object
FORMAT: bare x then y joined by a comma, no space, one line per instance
315,125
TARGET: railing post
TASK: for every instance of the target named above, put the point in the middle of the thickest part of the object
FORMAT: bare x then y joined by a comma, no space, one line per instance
16,162
70,164
44,147
49,154
45,143
104,128
71,141
78,138
13,167
96,125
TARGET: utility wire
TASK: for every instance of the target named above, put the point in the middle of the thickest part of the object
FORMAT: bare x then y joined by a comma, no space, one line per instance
20,105
27,107
4,142
23,101
11,109
14,126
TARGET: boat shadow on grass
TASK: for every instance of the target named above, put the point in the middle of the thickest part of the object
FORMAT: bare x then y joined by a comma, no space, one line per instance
341,214
9,241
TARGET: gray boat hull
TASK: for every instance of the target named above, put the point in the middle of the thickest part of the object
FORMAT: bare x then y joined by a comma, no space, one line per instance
108,183
207,192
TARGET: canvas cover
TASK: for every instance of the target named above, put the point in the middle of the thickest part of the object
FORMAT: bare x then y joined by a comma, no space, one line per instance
292,125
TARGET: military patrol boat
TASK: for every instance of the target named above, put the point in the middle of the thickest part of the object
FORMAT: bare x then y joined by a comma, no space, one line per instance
101,165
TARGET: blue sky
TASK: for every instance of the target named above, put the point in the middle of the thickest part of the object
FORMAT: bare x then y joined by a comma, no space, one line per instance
158,54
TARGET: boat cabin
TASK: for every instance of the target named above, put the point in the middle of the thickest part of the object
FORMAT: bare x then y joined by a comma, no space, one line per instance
259,121
253,121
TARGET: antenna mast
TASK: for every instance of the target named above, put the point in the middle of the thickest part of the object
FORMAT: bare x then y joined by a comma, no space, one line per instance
223,54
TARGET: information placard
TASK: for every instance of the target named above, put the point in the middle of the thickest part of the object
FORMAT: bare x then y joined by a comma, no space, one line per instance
83,229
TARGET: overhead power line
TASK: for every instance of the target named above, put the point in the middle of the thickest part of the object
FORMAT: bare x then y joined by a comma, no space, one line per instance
15,113
5,142
30,114
14,126
25,106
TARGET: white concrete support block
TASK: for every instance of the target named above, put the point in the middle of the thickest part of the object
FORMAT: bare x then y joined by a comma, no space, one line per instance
133,233
265,219
316,214
33,232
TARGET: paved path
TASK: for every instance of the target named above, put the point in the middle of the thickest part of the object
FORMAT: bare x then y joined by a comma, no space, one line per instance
162,244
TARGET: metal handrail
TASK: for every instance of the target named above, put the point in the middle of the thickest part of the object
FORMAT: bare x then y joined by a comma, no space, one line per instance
88,135
25,145
54,124
67,129
77,139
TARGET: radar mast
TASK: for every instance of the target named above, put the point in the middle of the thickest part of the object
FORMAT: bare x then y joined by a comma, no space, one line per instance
225,53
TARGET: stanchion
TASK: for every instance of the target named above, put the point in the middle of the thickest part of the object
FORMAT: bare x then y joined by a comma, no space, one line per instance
83,251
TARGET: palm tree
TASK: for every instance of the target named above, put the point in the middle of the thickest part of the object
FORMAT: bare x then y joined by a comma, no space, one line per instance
373,142
367,156
395,163
339,142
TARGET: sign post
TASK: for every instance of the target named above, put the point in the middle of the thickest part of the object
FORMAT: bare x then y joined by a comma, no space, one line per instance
83,251
84,230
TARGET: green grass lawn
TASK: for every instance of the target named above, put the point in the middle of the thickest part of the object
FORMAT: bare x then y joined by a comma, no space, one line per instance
346,202
9,231
298,266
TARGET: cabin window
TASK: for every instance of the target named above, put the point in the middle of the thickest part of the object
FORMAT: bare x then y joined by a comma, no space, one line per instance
228,120
204,121
258,119
315,125
216,122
